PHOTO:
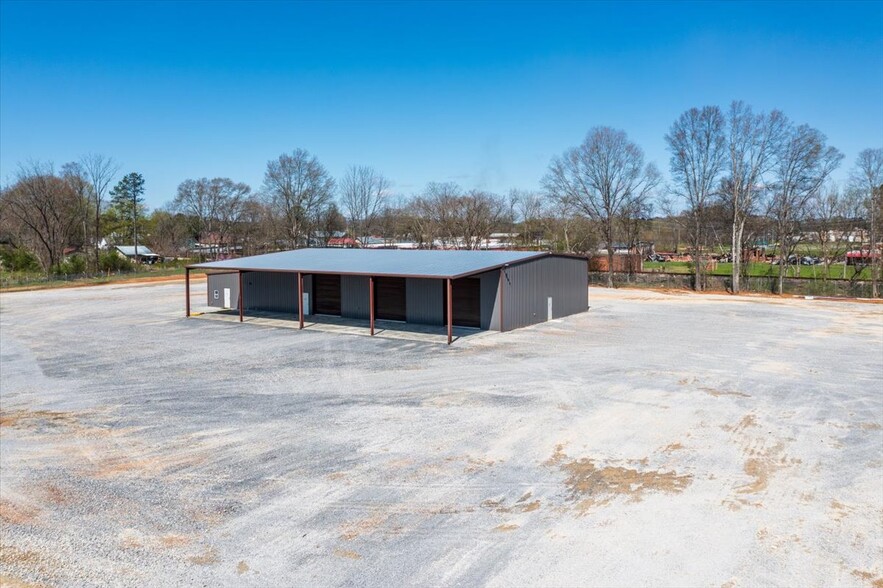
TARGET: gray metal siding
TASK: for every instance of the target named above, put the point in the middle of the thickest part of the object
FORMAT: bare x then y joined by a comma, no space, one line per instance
424,301
490,300
354,297
219,282
527,287
275,292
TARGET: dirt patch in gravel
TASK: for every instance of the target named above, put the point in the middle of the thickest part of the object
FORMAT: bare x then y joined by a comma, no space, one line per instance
367,526
17,514
37,419
206,558
345,553
523,504
10,582
12,558
589,484
762,467
717,393
869,577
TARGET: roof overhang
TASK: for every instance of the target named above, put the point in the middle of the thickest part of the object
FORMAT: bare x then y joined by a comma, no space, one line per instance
246,264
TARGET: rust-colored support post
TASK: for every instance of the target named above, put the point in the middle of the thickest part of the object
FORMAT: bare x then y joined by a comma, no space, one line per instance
450,313
371,303
300,299
241,296
502,269
187,289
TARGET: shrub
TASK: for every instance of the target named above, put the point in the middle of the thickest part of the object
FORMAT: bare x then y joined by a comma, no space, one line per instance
19,260
75,264
109,261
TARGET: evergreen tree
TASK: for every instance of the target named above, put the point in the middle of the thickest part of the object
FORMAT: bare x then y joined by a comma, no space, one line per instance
127,198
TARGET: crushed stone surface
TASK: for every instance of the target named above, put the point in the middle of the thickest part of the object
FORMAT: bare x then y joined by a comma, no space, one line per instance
657,439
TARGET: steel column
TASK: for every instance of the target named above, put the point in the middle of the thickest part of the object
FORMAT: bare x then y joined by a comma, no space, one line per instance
241,297
187,288
501,298
300,299
371,303
450,313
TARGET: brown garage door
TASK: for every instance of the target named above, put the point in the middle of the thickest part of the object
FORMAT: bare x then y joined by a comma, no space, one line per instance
466,302
389,298
326,294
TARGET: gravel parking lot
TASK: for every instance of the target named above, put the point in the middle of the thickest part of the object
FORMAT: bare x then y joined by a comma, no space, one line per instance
658,439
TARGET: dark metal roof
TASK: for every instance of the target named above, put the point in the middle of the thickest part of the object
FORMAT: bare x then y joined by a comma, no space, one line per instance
376,262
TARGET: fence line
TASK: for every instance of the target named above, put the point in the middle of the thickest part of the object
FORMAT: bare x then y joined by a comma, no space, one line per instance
760,284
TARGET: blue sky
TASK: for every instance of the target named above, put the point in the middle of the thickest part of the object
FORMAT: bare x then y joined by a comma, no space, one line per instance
483,94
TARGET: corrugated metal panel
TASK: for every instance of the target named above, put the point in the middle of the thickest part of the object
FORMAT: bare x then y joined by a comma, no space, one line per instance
354,297
275,292
129,250
528,286
217,283
376,262
425,301
490,299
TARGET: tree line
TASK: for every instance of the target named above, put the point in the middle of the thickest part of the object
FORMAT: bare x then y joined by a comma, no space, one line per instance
735,175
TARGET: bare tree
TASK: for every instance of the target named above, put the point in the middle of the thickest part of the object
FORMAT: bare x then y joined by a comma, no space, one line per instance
330,221
394,220
530,210
74,174
214,207
478,214
363,194
256,229
446,217
827,210
417,221
573,232
437,209
867,176
698,154
803,163
600,179
299,189
99,171
632,219
752,141
44,211
170,233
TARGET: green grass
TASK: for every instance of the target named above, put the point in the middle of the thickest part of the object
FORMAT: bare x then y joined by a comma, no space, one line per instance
762,269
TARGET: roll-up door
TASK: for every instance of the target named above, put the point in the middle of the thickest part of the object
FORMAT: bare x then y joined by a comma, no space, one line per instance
466,302
389,298
326,294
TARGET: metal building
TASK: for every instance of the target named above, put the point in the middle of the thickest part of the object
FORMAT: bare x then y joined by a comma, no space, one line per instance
491,290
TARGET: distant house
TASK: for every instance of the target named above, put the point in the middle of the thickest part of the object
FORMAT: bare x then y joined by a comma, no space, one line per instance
342,242
145,255
856,235
374,242
618,249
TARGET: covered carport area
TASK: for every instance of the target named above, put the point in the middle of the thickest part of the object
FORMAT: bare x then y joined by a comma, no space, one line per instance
434,288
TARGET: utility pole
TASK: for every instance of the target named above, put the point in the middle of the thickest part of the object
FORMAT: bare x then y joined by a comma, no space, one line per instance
873,251
135,221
